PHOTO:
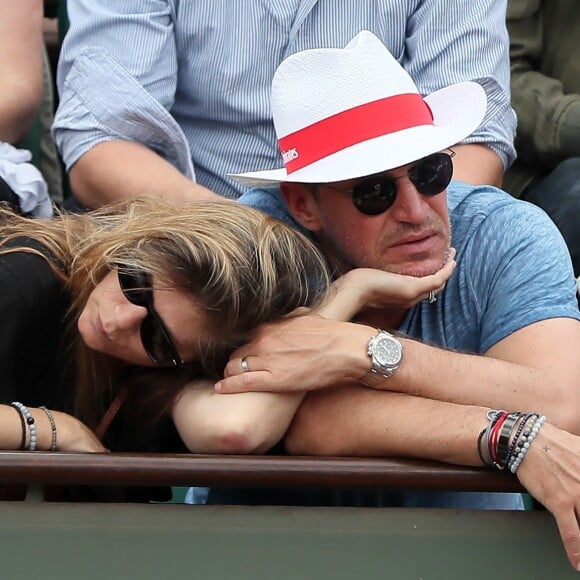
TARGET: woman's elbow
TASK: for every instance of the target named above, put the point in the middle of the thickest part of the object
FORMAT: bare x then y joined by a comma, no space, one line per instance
233,438
239,439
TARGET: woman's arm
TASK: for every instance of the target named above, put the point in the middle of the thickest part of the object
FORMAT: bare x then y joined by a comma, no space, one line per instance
245,423
368,288
71,434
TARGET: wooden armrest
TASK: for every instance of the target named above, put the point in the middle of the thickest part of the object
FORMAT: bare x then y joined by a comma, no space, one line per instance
245,470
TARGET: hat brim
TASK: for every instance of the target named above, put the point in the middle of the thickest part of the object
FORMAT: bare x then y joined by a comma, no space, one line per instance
457,111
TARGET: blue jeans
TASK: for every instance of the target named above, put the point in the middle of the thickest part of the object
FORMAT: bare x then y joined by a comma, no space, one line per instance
558,194
367,498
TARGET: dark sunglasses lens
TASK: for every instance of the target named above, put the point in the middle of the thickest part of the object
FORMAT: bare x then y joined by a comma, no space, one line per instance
157,342
374,197
152,340
136,287
432,174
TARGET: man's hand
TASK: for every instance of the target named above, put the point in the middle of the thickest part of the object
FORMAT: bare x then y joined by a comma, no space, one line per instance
550,471
301,353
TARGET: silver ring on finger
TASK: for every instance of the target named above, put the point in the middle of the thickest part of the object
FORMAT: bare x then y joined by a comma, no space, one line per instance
244,364
432,297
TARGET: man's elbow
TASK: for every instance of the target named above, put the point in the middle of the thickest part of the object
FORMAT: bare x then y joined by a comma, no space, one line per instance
80,182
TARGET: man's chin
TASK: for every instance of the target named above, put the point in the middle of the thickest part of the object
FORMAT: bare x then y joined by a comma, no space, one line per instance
417,269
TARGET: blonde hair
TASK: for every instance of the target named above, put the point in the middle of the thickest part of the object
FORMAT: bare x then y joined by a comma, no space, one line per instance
243,267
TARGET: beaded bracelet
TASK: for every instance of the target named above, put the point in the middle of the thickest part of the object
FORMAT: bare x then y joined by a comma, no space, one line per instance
30,422
22,423
524,444
52,427
521,427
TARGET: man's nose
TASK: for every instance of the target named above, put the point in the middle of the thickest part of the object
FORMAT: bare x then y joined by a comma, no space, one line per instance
410,206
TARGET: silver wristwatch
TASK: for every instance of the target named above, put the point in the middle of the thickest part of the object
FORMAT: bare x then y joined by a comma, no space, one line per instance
386,354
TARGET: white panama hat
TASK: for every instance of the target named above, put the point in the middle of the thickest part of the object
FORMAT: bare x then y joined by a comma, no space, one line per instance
344,113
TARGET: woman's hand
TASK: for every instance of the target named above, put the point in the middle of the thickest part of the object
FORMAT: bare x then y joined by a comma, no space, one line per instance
550,472
73,435
369,288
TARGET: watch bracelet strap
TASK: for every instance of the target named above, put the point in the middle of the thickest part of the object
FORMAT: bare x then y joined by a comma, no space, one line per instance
373,378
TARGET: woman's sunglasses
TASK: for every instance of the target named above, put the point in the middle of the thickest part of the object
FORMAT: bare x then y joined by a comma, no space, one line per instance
375,195
137,288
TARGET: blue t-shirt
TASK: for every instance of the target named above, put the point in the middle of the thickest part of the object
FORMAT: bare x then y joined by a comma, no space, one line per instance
513,269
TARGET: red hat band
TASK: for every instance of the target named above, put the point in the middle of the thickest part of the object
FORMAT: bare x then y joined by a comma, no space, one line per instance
353,126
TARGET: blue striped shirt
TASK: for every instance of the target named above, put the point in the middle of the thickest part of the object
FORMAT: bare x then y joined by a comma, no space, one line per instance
191,80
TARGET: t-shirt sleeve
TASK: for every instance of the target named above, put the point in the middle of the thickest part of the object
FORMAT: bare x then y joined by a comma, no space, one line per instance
271,202
520,272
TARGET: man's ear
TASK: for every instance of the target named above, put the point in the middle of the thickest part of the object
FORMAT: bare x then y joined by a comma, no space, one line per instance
301,202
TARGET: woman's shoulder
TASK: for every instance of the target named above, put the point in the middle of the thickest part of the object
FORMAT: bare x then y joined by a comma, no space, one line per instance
26,272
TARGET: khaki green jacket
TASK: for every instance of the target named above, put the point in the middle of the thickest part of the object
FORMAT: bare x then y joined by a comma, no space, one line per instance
545,68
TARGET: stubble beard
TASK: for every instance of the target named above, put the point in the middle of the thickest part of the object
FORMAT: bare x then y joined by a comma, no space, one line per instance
340,261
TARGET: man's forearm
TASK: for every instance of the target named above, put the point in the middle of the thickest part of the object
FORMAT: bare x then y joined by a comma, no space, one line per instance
354,421
477,164
468,379
20,66
16,118
534,369
116,170
503,379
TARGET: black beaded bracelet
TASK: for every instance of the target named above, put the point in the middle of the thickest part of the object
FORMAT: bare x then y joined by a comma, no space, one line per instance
516,438
29,420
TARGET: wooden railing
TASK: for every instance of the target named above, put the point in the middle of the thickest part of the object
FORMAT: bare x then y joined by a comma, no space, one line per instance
226,470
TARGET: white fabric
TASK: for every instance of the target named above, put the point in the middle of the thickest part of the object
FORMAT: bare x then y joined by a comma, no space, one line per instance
25,180
313,85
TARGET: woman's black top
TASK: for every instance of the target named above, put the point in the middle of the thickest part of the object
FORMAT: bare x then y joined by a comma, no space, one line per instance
35,357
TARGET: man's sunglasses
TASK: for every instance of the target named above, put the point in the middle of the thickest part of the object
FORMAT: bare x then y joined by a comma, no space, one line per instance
137,288
375,195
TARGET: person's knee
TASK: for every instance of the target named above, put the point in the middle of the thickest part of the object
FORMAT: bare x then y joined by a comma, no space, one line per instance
569,169
559,190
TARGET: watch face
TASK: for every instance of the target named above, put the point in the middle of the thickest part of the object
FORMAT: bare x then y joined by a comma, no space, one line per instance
388,352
